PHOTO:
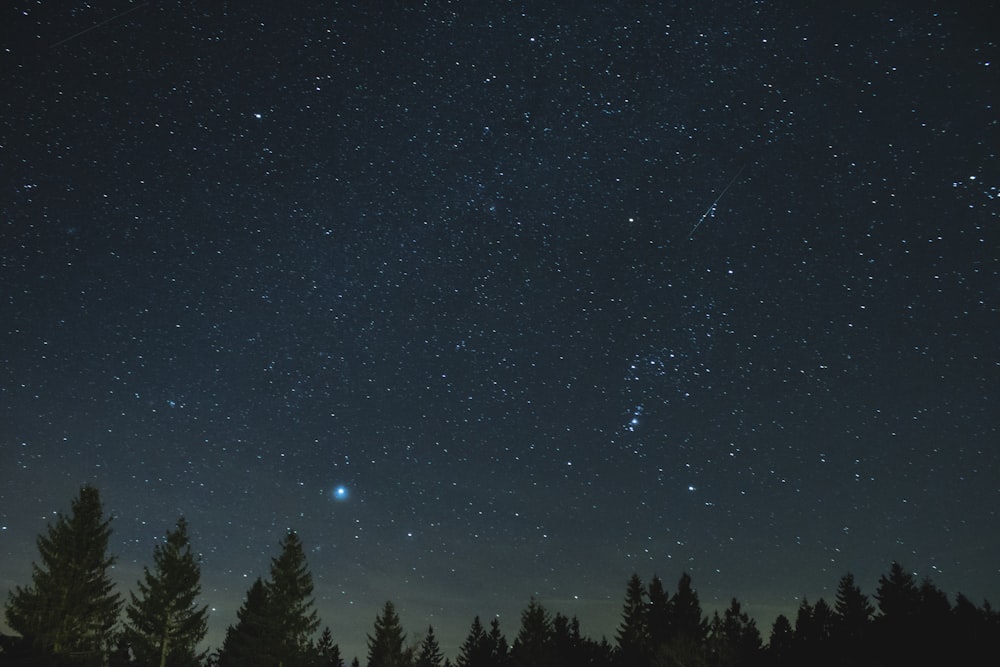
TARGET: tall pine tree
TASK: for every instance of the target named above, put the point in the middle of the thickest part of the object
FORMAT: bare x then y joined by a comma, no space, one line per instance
327,652
386,645
277,621
164,623
633,633
247,644
474,651
292,616
69,612
430,652
533,646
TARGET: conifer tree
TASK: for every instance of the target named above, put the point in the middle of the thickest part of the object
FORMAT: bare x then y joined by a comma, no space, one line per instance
633,633
688,628
533,646
327,652
897,595
852,613
247,644
70,610
430,652
496,645
735,639
780,647
292,617
658,614
164,624
474,651
386,644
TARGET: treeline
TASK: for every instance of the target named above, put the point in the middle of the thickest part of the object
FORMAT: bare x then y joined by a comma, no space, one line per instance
70,615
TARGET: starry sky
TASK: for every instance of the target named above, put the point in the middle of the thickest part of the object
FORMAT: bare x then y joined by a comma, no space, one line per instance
497,299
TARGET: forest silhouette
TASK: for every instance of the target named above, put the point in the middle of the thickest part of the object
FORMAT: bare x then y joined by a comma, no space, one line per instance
71,615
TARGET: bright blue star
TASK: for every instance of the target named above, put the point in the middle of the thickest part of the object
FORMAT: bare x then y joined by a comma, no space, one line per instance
340,493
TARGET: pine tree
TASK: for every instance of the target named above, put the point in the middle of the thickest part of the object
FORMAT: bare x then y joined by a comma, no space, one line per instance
291,614
69,612
852,619
781,645
533,646
737,637
474,651
386,644
658,614
328,653
633,633
247,644
496,645
897,595
164,624
430,652
688,628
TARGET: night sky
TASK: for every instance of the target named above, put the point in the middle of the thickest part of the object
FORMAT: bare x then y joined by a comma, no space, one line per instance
555,292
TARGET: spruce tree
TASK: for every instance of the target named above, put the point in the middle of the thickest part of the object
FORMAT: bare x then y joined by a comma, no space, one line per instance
633,633
688,628
474,651
69,612
430,652
164,623
386,645
496,645
852,617
533,646
328,653
248,643
292,617
658,614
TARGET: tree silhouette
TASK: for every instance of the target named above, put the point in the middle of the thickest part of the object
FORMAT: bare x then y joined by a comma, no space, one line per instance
497,650
633,633
852,622
734,638
292,616
164,624
658,614
247,644
781,645
430,652
474,651
533,646
688,627
69,612
327,652
386,644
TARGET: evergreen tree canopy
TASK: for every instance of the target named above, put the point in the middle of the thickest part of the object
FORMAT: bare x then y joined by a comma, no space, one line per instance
293,617
496,645
633,633
852,611
70,610
430,652
474,651
277,621
658,613
533,646
897,594
782,642
247,644
164,624
386,644
328,653
688,627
